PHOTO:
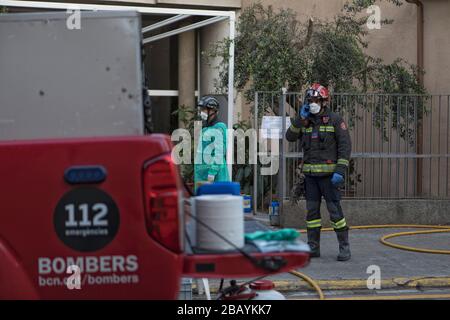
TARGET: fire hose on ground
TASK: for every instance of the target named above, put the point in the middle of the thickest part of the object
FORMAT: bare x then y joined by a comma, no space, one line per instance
383,240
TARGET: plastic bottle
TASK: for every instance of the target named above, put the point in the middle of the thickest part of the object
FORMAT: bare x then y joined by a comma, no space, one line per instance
247,203
274,213
274,208
264,290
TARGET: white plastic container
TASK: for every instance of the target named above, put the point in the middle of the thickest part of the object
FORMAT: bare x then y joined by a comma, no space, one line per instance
225,215
264,290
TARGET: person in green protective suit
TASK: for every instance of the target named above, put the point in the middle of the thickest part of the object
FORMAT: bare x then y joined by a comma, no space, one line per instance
210,158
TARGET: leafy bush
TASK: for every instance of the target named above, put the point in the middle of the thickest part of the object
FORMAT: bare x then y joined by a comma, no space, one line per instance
273,50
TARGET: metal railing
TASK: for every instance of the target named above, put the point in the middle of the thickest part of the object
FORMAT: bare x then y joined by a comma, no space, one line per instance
400,146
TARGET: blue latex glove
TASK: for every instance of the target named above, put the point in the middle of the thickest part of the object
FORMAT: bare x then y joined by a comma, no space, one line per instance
337,179
304,111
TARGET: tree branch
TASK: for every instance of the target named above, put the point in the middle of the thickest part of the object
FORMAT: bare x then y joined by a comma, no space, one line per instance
309,33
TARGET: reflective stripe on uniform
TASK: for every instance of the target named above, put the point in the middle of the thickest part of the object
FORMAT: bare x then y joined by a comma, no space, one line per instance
326,128
343,162
294,129
321,129
339,225
314,223
320,167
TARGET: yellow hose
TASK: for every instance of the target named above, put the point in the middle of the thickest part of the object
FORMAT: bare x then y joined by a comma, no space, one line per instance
402,247
310,281
439,229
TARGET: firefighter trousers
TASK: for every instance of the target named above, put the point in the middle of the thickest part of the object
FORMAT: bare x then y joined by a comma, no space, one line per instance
315,189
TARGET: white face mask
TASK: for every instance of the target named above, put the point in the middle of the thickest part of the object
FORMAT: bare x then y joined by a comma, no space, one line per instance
203,116
314,108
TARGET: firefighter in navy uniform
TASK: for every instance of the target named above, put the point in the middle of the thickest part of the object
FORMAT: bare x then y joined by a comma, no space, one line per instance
326,145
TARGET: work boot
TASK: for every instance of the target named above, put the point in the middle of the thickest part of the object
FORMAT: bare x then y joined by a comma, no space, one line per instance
314,242
344,246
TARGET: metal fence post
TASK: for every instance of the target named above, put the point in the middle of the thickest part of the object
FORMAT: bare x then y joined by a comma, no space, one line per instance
419,148
282,168
255,165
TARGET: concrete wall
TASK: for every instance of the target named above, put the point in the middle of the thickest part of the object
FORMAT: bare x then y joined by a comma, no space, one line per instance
399,40
396,40
209,35
437,46
208,73
325,9
370,212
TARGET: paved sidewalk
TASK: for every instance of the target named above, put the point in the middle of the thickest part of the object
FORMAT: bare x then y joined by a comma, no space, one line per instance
367,250
398,267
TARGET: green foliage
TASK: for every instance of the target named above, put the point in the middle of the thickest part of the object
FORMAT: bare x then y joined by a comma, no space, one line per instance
266,51
243,173
274,50
187,115
3,9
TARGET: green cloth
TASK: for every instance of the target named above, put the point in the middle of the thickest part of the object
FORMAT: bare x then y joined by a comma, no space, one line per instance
283,234
210,157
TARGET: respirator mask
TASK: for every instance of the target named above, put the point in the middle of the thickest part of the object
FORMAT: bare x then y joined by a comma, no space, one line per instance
314,108
203,116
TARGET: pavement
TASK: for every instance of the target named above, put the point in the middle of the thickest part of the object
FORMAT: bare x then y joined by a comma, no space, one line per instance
367,250
384,294
399,269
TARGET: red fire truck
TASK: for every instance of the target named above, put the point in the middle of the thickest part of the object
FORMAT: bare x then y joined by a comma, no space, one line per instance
84,191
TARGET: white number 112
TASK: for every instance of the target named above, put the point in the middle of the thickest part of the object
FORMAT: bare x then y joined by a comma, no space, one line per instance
100,211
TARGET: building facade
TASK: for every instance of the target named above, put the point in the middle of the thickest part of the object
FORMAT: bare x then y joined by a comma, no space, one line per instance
397,40
177,74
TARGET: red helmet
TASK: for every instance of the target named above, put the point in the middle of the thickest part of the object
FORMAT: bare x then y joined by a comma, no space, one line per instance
317,90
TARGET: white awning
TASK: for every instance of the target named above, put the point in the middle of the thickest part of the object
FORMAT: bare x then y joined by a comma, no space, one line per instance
173,15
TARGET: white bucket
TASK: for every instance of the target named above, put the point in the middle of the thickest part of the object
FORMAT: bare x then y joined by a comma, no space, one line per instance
225,215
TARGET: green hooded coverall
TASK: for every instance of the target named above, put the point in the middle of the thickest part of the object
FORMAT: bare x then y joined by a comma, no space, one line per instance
210,157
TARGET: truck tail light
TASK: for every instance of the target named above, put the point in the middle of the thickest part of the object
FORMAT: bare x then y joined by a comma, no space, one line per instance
163,203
